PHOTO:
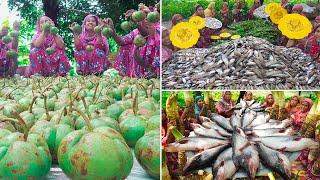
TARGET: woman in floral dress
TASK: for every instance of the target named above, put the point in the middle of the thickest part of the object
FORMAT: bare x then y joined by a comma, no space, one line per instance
43,63
92,49
124,62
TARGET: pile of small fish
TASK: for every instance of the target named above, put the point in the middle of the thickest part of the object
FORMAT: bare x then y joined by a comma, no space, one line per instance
246,63
248,144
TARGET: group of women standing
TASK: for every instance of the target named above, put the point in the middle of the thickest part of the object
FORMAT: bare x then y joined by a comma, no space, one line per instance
131,61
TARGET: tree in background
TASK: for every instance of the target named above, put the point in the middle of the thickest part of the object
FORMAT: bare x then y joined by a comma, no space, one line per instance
65,12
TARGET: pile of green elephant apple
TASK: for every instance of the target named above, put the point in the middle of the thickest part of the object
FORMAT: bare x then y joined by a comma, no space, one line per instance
84,124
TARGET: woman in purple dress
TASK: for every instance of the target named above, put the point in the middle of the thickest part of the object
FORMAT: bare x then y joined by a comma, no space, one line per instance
92,49
42,62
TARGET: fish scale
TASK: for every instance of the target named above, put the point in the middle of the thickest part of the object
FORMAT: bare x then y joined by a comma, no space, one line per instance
246,58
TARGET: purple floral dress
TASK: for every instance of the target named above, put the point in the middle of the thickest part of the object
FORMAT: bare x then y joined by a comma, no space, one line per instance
96,61
44,64
151,52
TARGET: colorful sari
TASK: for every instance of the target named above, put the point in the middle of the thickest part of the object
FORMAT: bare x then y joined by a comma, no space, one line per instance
96,61
45,64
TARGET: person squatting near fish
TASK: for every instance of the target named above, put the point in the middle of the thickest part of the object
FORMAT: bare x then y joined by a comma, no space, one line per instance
293,105
237,12
205,33
9,49
299,118
47,54
269,101
248,96
300,115
225,106
198,105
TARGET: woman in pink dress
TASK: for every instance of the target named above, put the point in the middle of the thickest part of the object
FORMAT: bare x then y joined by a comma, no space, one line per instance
42,62
8,65
298,119
92,49
149,54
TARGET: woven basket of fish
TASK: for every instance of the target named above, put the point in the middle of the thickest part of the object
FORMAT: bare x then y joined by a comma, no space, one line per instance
249,144
247,63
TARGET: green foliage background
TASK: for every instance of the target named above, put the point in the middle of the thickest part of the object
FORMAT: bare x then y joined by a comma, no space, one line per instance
185,7
69,12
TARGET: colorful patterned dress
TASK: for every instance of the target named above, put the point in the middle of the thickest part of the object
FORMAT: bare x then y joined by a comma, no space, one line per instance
96,61
124,62
151,52
45,64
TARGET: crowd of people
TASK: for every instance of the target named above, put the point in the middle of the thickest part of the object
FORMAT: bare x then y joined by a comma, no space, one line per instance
309,45
91,49
296,109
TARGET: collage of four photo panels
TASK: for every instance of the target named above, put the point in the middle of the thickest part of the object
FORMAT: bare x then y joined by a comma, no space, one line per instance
150,89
